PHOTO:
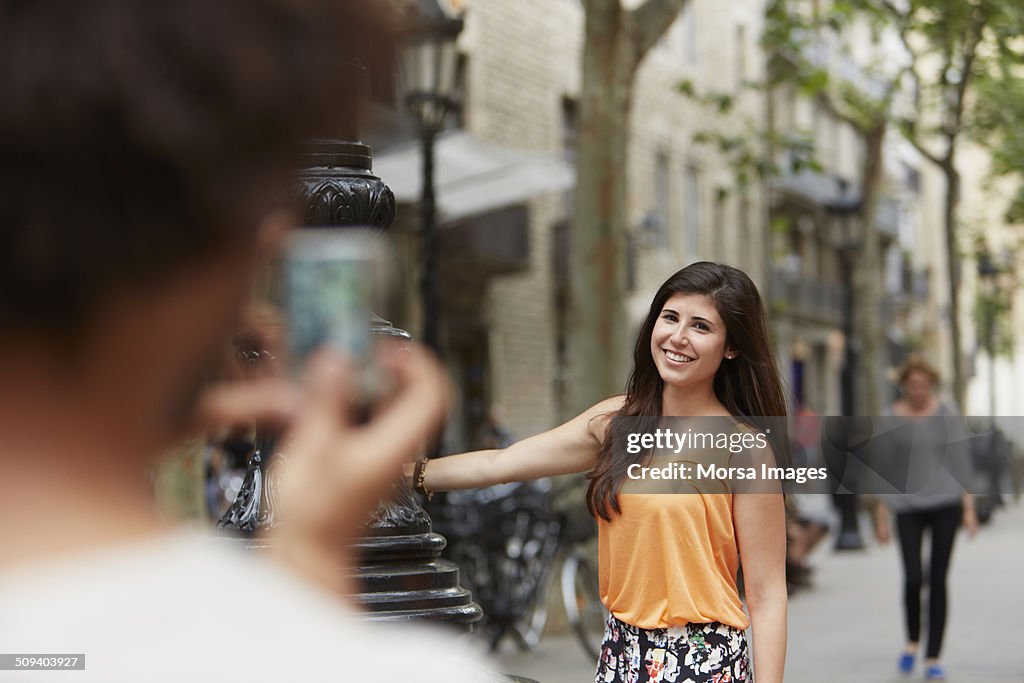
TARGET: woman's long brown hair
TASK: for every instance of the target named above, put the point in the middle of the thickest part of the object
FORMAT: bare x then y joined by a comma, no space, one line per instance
749,386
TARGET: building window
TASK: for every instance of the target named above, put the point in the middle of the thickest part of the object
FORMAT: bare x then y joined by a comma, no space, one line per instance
740,59
570,129
691,211
688,33
747,247
912,178
659,226
720,228
570,137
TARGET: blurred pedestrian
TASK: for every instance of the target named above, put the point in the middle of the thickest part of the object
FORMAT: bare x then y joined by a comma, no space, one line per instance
145,151
805,528
668,563
991,452
932,439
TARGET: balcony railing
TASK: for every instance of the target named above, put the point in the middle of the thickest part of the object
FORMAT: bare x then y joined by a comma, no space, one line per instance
887,217
814,187
803,297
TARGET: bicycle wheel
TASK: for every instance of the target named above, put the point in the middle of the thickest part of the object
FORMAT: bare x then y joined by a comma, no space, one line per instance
582,597
530,628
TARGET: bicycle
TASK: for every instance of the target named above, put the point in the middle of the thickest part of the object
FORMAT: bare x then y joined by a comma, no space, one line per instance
581,594
510,542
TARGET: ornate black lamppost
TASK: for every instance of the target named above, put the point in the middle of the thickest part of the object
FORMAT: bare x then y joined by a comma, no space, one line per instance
845,210
431,81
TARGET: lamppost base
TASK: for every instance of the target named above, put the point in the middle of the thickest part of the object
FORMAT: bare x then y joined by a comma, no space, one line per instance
401,578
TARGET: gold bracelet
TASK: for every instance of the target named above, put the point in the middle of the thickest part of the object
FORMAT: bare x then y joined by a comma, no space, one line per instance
419,474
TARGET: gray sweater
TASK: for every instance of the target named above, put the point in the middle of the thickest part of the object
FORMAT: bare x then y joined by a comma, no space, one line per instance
925,459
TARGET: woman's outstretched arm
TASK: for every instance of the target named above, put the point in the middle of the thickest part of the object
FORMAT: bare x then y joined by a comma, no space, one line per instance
571,447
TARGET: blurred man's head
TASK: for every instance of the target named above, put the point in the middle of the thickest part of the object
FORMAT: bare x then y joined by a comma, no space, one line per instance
143,145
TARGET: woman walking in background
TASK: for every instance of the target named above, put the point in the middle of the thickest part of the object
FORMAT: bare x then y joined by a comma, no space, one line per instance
668,563
939,505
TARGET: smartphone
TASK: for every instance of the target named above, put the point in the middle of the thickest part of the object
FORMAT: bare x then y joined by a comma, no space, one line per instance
334,280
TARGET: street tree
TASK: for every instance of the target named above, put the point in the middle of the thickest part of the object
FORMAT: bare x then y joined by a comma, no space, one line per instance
794,37
997,123
997,117
951,48
953,45
616,40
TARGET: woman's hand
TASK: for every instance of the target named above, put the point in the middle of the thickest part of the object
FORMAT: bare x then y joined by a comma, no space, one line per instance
970,519
882,532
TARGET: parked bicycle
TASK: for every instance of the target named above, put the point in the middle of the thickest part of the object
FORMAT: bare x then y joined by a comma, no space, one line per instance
510,544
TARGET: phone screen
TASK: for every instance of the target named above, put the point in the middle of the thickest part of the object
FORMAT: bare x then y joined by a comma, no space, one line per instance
332,280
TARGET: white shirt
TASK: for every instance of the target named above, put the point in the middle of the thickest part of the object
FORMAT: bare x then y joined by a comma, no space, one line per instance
189,608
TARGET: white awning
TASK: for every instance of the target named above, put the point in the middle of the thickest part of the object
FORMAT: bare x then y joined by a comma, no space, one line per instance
472,176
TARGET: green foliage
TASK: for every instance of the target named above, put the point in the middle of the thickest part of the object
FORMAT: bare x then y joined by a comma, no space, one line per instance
1014,214
751,152
781,224
791,36
799,57
994,295
811,82
967,59
719,101
995,309
997,122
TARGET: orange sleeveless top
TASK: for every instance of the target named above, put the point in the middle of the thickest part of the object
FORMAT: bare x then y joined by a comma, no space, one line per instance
671,559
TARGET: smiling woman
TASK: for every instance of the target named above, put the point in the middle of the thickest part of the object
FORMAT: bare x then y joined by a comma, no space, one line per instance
688,340
668,563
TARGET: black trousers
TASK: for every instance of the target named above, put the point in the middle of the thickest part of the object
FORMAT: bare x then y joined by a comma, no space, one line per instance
943,523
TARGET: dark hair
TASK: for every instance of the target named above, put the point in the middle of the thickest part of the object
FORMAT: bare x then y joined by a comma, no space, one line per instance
916,363
749,386
137,136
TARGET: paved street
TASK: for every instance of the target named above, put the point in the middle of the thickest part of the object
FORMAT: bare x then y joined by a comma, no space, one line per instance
848,628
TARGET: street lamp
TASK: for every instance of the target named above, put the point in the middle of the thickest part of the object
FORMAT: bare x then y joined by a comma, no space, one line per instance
431,82
988,271
845,209
993,461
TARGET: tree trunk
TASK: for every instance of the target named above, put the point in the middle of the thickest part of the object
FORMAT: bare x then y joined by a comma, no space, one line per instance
597,338
953,266
615,42
867,297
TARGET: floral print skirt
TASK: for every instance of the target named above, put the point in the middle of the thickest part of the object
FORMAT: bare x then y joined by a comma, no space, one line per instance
695,653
